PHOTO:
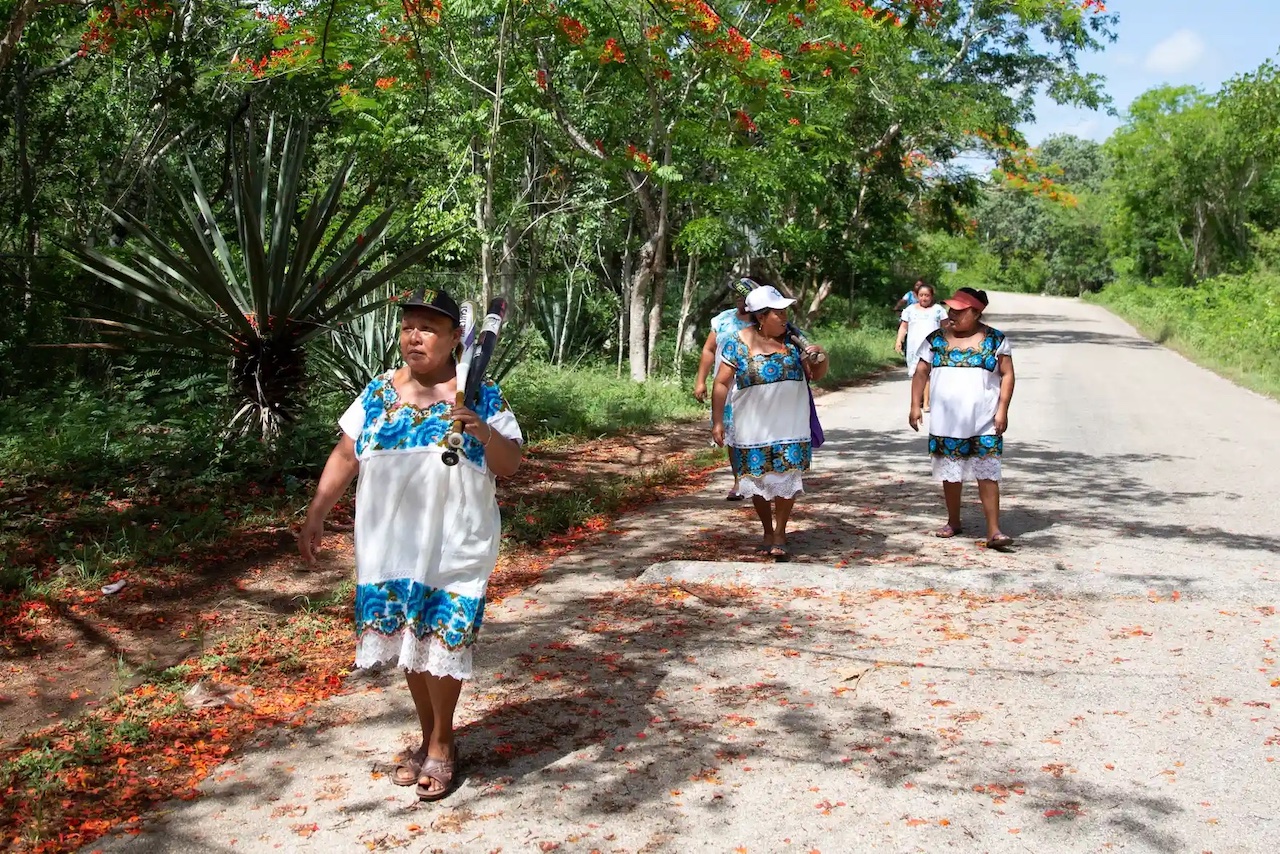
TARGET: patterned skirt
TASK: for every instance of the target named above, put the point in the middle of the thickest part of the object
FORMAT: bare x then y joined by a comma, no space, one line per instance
957,460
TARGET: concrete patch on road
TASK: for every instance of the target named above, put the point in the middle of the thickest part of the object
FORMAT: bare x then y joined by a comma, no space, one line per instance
1047,583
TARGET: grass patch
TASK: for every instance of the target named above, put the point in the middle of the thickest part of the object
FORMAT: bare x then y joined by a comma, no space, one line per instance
856,353
586,402
1229,324
531,522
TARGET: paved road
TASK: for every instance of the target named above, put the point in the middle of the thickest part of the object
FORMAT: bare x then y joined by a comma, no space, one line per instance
1109,686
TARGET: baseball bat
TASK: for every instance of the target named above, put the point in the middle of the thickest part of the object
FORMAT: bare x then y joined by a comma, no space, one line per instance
467,323
486,341
803,343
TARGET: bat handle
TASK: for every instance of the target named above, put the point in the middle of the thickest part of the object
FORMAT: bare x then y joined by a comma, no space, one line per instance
454,437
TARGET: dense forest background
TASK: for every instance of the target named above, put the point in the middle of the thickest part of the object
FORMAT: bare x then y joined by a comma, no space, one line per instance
212,201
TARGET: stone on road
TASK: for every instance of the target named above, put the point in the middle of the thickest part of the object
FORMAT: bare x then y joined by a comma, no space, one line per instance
1108,685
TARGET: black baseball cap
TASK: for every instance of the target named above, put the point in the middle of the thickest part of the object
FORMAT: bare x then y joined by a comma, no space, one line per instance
434,299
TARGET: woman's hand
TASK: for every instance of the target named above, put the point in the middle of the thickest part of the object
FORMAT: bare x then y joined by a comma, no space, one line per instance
309,538
471,423
700,392
717,434
916,416
1001,421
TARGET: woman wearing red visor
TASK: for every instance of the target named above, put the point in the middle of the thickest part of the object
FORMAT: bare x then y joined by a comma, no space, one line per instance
969,370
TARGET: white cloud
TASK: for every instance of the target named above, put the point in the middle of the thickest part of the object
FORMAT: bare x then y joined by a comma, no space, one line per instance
1178,53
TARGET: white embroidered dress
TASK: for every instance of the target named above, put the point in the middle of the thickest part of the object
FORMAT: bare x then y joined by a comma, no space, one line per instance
964,394
426,533
769,440
920,322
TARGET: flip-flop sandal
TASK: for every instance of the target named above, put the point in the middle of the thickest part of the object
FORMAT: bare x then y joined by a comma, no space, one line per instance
733,496
946,532
1000,543
409,768
442,771
779,553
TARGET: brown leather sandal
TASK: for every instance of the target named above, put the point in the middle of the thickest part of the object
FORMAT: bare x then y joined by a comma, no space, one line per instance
409,768
440,771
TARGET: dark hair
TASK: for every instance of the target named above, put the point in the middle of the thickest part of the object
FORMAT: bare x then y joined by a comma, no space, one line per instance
921,285
980,296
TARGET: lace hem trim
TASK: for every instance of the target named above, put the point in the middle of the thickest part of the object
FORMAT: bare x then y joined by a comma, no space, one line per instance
417,655
772,485
950,470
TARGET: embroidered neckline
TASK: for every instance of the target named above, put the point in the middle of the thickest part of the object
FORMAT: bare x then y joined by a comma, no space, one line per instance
397,402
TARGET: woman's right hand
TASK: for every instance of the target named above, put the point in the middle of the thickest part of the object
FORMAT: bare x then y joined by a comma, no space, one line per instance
916,416
309,538
717,434
700,392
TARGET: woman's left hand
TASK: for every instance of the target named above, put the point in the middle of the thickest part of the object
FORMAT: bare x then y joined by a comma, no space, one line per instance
471,423
1001,422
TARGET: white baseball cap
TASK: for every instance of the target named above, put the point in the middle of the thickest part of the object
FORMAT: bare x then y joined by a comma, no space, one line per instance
767,296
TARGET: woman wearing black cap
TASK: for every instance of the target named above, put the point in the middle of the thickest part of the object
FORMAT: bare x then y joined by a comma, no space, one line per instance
426,533
968,367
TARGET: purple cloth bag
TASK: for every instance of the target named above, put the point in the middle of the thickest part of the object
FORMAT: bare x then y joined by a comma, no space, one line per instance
816,436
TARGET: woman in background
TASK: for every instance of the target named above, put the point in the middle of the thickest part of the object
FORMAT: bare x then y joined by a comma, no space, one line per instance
918,320
769,441
724,326
969,367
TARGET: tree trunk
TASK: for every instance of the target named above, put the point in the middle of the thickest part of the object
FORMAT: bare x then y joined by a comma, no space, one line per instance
655,320
686,303
638,290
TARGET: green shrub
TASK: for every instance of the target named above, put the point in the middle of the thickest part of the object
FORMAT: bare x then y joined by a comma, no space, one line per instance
1229,323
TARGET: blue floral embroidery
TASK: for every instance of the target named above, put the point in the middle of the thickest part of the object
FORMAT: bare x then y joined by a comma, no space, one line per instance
390,424
387,607
985,356
779,458
974,447
759,370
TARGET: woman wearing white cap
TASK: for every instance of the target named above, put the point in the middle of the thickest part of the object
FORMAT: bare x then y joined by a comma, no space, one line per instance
769,438
969,368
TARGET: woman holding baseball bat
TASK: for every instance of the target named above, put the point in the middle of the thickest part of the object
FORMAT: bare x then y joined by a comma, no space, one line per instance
770,439
426,533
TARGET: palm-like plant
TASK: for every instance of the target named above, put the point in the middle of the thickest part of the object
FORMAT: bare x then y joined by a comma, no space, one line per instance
360,349
257,295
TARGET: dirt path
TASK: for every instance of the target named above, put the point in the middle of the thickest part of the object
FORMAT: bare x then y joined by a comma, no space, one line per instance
82,648
1108,685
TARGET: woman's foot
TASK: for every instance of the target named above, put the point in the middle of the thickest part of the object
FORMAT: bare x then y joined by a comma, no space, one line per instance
408,767
436,777
948,531
778,549
733,495
1000,542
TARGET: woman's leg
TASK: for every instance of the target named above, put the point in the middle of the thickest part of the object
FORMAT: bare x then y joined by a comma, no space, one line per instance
443,692
951,494
765,512
406,772
422,702
989,494
781,513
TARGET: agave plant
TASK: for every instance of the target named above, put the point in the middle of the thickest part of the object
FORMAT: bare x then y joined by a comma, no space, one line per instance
257,291
360,349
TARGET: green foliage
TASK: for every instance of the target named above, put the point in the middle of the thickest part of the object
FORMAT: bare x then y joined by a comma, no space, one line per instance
591,401
289,272
1229,323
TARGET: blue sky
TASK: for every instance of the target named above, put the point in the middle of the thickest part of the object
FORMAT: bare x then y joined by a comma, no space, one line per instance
1197,42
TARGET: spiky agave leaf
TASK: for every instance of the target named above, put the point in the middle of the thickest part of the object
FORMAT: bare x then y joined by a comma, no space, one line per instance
243,283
